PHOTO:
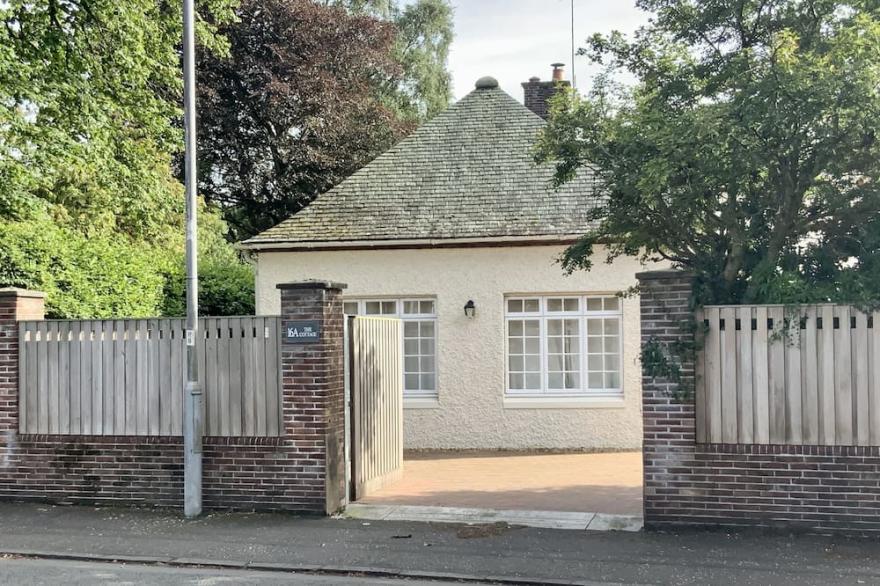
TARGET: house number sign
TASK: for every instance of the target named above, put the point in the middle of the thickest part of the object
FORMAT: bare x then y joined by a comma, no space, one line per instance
301,332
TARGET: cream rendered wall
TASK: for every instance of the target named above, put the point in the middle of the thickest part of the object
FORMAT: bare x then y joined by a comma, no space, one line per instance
471,411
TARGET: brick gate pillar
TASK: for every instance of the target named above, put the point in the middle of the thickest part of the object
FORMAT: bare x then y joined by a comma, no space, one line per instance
669,426
313,386
15,304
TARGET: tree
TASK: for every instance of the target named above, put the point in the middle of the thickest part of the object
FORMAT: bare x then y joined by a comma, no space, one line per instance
90,210
424,34
89,94
747,152
311,92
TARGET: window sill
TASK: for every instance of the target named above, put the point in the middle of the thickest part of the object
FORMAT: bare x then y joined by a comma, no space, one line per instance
550,402
421,403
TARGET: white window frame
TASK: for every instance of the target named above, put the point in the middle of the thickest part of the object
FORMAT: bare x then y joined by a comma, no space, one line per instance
582,315
406,317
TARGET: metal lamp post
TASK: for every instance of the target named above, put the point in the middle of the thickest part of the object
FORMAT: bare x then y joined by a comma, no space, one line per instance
192,410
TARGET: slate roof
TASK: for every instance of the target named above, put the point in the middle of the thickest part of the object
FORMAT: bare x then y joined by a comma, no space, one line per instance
467,173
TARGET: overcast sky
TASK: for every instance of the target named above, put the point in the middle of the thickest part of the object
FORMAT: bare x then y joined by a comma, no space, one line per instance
513,40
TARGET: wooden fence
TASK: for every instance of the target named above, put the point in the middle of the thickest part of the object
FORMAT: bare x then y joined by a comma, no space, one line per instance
126,377
376,386
770,374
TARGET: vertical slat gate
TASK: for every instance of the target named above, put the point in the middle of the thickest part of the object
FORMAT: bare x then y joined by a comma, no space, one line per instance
376,382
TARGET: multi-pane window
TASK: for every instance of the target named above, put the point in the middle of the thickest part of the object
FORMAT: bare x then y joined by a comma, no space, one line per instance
419,318
563,345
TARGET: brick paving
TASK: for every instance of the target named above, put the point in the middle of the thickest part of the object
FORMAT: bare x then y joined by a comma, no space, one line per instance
600,483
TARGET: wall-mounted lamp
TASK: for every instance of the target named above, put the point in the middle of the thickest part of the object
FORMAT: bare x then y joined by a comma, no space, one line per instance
469,308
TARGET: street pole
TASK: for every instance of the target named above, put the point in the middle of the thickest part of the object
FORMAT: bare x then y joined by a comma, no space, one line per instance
192,410
573,77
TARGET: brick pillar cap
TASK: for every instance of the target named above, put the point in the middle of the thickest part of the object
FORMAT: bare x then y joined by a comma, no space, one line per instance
664,274
7,292
313,284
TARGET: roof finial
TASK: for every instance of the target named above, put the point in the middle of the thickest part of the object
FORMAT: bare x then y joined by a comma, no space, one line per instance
486,82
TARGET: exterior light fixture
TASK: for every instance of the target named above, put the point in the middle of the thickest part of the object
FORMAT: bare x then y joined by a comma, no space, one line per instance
469,308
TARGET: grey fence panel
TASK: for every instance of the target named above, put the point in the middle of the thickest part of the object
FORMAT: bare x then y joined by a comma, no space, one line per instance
126,377
804,375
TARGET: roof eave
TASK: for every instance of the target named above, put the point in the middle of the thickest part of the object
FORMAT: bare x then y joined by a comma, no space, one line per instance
294,245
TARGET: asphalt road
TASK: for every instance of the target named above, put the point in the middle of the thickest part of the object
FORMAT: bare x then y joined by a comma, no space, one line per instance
34,572
424,550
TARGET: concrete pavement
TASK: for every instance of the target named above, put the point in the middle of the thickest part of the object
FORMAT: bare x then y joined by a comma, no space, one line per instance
426,550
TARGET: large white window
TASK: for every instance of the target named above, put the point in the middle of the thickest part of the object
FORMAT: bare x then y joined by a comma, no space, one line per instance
419,318
563,345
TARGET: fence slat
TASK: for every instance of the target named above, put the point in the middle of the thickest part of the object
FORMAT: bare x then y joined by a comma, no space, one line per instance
223,378
776,374
76,364
209,328
52,381
235,390
259,375
23,397
165,377
274,416
178,359
108,377
702,421
825,348
861,407
874,378
843,395
97,397
248,399
119,368
33,378
745,376
810,377
201,358
793,401
42,379
713,373
64,377
760,370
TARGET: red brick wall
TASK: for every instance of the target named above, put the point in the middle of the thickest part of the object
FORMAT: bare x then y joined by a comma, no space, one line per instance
819,488
284,473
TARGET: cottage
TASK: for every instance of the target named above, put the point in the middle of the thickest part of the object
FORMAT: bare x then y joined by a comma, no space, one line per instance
457,232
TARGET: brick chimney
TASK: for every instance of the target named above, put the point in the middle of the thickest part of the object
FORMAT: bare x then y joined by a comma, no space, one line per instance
536,93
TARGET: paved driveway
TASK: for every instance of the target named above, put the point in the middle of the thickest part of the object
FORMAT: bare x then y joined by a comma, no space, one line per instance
600,483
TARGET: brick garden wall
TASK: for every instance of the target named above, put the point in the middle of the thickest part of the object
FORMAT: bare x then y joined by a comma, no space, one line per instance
289,473
818,488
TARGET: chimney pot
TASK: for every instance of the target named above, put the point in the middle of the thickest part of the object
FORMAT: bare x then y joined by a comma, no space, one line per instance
536,93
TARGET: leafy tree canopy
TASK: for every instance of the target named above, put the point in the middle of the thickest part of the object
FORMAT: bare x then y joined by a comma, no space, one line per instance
90,210
310,92
423,36
747,152
89,94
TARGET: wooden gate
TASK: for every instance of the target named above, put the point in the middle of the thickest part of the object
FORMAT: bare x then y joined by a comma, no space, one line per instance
375,371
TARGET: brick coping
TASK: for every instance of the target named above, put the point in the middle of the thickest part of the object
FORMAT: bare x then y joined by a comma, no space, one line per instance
148,439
